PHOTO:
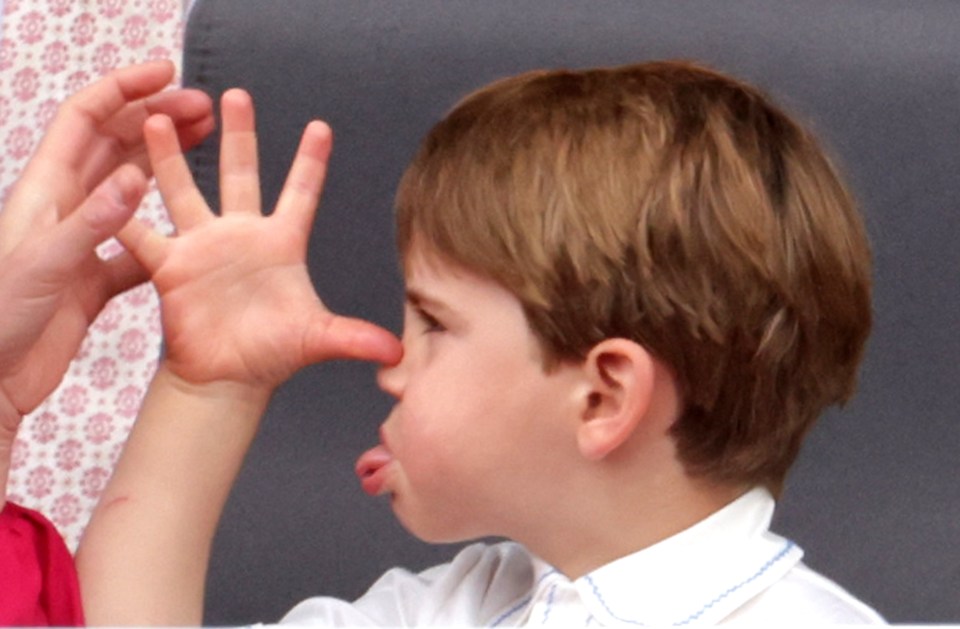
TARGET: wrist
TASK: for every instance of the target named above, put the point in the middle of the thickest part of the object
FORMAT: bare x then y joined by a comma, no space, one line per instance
10,419
243,392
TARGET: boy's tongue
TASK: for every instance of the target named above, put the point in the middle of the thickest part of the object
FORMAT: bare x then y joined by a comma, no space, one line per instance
371,468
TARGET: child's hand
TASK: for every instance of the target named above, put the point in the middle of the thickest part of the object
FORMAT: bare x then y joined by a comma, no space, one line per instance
236,297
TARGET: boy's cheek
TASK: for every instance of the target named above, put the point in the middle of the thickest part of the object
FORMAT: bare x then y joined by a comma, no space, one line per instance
424,443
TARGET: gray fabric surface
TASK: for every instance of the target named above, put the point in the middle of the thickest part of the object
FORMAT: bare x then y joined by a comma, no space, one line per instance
874,499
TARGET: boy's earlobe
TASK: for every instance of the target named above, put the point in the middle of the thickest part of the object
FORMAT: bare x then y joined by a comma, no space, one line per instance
621,374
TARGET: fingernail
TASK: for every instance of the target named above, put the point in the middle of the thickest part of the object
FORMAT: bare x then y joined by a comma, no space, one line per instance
105,205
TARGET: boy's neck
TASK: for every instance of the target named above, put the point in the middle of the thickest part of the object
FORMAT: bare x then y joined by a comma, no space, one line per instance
613,523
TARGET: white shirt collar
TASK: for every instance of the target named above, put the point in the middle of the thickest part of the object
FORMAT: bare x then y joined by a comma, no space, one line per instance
698,576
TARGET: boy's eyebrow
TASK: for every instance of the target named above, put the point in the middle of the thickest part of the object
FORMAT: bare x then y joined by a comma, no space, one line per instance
435,307
418,299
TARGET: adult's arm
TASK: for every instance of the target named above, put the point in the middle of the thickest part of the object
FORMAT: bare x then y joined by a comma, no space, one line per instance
79,188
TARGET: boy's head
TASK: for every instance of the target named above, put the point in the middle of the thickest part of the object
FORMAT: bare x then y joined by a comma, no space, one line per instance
671,205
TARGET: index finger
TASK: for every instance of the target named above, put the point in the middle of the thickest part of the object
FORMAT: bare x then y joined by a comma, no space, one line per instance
101,127
81,114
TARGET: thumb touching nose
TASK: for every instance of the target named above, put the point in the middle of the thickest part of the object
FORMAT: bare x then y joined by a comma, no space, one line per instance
333,336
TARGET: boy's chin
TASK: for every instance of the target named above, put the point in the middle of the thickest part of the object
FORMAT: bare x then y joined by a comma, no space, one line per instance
433,530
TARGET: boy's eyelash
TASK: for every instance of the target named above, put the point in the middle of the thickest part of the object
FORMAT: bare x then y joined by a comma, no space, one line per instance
430,322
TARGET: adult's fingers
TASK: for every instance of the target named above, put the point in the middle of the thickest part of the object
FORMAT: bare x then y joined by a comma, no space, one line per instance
97,103
81,146
106,155
120,139
193,131
80,115
185,106
101,126
107,209
35,274
99,217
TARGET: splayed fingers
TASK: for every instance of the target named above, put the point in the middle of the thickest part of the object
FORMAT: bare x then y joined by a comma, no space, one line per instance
236,295
239,172
301,191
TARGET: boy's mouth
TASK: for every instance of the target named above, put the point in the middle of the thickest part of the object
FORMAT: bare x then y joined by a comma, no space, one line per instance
371,468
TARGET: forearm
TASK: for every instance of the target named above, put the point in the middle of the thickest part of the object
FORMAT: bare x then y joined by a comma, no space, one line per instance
143,558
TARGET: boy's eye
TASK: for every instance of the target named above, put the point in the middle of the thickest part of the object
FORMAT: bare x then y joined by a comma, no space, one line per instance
430,323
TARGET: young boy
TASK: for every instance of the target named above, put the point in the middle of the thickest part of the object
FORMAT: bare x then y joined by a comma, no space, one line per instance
630,292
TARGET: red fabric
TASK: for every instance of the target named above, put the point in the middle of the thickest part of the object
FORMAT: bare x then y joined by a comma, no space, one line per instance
38,580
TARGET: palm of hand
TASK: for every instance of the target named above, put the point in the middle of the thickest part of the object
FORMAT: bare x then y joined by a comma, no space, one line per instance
253,330
236,297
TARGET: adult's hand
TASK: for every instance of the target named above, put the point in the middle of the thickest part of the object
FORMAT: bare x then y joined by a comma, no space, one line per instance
80,187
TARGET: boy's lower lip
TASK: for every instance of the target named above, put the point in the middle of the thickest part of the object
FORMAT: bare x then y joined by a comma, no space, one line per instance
371,468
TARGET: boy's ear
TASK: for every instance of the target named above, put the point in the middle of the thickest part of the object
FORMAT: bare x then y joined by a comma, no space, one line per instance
621,376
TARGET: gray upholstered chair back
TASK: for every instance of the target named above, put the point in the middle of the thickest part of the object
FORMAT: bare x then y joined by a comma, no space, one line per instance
875,498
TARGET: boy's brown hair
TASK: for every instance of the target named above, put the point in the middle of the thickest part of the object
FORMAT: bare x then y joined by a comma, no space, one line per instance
674,206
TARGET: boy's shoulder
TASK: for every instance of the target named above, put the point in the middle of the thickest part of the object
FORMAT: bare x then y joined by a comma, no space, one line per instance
727,568
806,597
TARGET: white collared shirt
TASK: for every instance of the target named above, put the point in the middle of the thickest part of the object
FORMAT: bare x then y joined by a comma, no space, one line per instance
728,568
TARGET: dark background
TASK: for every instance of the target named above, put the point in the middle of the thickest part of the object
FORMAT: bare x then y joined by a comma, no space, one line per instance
874,499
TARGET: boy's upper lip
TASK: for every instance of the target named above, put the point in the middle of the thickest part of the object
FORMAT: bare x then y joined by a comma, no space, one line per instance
384,441
371,467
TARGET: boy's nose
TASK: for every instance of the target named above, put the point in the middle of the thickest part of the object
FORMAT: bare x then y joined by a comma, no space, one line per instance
390,379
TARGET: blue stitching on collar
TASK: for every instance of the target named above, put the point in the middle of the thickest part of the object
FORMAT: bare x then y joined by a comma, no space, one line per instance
780,555
783,553
524,602
510,612
596,592
550,595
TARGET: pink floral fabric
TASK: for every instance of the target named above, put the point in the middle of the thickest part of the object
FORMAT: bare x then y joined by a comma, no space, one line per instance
67,448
